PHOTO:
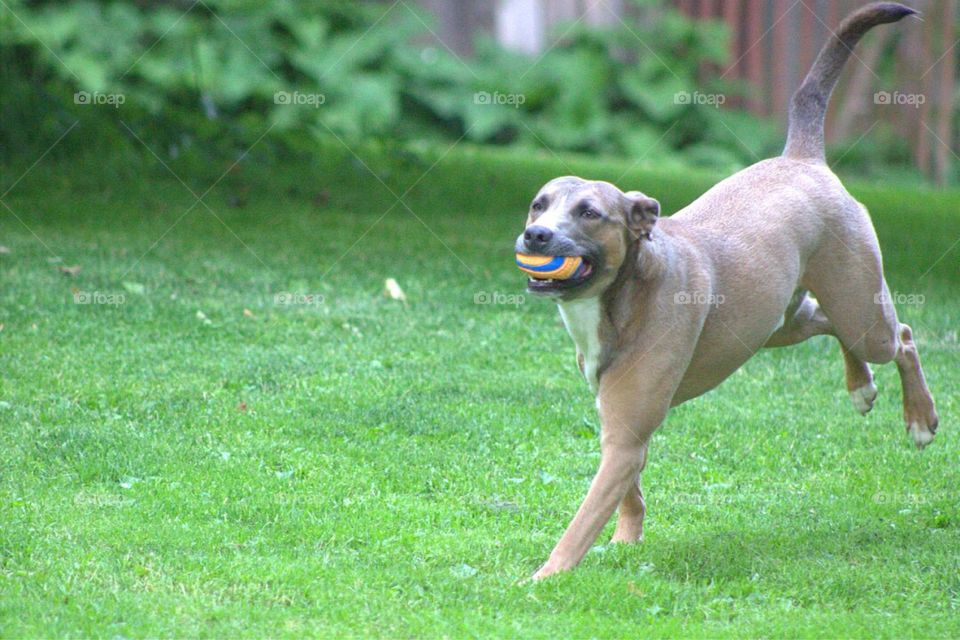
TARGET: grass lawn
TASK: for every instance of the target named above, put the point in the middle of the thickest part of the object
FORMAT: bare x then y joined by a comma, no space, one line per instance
186,457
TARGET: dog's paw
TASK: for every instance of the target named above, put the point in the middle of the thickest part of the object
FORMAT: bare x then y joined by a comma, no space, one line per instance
921,418
922,436
548,569
923,428
863,398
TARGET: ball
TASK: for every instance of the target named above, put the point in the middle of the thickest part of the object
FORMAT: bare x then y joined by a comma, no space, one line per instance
550,267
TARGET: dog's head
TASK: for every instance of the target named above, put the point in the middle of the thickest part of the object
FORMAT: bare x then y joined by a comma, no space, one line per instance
592,220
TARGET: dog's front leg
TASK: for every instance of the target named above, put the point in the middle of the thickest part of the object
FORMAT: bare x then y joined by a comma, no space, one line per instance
631,408
618,468
632,510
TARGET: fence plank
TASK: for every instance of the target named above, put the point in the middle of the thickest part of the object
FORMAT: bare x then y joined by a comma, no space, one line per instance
780,56
945,102
459,21
754,55
921,41
732,16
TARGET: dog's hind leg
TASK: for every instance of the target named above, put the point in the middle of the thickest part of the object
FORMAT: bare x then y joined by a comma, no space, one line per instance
803,320
860,383
919,412
847,278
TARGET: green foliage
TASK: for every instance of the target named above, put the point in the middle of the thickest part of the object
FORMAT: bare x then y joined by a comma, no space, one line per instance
225,71
381,74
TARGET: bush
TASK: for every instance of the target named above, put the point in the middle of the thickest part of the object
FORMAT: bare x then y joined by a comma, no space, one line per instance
226,71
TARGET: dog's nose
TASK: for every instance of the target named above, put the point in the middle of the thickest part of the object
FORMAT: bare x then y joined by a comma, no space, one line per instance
537,238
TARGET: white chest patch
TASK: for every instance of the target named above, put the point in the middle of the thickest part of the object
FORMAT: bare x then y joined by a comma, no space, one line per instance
582,319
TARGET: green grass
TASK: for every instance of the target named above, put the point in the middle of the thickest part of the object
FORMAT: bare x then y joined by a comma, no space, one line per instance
361,467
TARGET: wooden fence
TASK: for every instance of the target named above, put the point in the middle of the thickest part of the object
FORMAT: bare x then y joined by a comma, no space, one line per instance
773,43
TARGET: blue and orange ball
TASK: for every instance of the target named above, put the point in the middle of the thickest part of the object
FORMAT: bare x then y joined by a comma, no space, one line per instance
550,267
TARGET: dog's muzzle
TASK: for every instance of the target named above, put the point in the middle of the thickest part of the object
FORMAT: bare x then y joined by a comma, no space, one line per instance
553,262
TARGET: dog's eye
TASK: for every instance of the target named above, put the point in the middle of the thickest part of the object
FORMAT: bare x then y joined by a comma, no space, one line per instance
537,206
590,213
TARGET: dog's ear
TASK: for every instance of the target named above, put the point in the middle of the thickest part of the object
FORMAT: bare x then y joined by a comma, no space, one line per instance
642,213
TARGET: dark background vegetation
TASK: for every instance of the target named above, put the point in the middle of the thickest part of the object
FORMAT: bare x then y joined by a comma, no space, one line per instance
200,78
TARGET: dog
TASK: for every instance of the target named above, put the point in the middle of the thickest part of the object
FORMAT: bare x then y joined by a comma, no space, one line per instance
666,309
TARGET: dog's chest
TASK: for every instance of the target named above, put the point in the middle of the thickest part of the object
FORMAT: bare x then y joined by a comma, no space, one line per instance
582,319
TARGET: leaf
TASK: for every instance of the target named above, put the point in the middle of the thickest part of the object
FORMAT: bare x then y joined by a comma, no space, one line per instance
486,120
135,288
71,271
662,98
642,141
366,102
391,289
4,250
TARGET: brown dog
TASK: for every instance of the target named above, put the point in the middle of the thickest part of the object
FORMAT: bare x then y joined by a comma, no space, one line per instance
667,309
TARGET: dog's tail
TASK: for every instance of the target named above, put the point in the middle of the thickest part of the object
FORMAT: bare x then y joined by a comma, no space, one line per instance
809,104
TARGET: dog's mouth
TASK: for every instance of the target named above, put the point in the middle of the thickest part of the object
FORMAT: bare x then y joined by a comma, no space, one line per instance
537,283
